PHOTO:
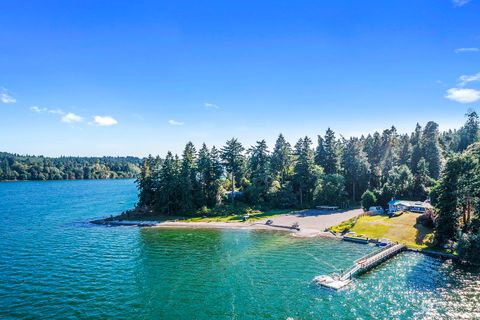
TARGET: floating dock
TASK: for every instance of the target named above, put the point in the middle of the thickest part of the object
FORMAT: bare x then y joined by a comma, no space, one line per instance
360,266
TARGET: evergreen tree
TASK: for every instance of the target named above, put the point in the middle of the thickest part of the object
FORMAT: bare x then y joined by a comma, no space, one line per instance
233,160
355,167
405,152
422,180
188,179
469,132
168,194
388,152
448,218
305,171
281,158
400,182
320,154
372,148
146,191
330,190
258,164
416,140
431,149
326,153
210,172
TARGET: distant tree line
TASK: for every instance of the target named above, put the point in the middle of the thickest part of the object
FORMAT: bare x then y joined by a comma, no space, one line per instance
336,171
24,167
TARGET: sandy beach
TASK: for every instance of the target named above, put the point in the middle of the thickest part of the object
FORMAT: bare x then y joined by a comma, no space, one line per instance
311,222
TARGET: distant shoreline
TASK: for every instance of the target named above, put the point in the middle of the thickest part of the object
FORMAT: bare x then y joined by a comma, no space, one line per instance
49,180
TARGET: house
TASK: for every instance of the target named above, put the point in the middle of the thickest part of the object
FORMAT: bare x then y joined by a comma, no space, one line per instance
236,194
405,205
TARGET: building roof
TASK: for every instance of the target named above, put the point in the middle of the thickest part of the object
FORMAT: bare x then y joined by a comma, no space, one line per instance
409,203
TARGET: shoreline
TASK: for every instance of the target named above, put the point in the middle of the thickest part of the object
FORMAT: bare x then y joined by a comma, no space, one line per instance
311,229
31,180
311,223
301,233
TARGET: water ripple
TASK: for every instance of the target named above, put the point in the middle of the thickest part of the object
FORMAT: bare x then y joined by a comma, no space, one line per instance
54,265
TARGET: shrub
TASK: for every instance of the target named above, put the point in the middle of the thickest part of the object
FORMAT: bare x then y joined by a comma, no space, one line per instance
368,199
344,226
427,219
428,240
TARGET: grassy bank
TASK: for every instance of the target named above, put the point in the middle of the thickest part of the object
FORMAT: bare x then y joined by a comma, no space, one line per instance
402,228
253,216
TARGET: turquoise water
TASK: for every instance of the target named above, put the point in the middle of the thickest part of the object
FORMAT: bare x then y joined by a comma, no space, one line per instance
54,265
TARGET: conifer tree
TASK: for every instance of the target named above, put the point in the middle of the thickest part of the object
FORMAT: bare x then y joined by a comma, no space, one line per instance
233,160
431,149
331,162
355,167
188,180
305,171
281,159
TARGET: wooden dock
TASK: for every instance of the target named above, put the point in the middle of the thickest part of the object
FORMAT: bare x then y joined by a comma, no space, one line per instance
360,266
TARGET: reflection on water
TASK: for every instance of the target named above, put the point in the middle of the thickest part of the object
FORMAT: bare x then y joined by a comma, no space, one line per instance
54,266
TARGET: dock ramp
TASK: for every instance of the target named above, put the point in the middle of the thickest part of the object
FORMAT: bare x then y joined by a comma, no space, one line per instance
360,266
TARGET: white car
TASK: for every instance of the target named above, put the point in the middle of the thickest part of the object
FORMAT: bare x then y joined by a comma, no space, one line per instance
377,210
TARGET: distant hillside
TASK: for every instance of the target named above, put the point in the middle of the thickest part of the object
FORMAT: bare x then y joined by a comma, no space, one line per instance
24,167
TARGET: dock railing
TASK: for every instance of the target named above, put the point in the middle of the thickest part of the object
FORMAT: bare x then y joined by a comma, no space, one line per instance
371,259
373,253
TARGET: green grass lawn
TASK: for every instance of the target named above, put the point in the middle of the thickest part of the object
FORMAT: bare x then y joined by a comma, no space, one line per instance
402,228
239,217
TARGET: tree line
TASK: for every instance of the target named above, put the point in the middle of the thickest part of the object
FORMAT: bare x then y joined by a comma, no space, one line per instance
15,167
457,199
335,171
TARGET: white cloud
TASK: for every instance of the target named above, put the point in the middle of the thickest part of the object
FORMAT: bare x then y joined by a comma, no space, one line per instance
71,118
37,109
459,3
6,97
56,111
209,105
464,79
461,50
176,123
104,121
41,110
463,95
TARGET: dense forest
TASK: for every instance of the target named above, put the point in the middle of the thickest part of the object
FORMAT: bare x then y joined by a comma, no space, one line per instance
16,167
369,169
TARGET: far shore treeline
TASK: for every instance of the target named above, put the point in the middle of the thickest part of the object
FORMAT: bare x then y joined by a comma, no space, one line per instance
372,169
14,167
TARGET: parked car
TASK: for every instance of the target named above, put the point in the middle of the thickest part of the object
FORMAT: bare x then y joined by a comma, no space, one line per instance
269,222
377,210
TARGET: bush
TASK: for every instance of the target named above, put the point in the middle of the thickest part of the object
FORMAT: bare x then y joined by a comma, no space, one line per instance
427,219
368,199
344,226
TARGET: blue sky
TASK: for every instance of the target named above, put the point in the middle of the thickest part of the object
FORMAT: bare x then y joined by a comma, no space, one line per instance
137,77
